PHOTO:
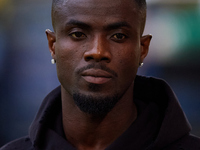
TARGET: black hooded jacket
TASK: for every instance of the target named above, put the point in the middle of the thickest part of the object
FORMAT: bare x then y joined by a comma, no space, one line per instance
160,125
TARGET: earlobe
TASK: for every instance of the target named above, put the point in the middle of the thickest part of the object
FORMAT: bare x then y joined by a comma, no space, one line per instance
51,42
145,42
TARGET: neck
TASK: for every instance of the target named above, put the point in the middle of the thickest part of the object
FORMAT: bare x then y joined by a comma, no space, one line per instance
85,131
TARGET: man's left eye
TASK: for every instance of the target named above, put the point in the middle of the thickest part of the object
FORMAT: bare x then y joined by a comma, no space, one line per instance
119,36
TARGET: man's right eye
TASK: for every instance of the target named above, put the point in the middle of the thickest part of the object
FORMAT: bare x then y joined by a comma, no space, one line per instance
77,35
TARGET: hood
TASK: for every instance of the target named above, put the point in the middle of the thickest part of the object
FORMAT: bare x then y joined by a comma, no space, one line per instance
175,124
47,112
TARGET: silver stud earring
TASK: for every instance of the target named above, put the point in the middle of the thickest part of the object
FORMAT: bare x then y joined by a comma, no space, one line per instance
53,61
141,64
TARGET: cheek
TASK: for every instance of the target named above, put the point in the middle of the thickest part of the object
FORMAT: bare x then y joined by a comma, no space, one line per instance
126,66
65,52
68,51
67,57
129,60
128,63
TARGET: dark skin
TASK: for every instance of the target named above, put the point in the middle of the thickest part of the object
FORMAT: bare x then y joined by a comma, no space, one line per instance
97,32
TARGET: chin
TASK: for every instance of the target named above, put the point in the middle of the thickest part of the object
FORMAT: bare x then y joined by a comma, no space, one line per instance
95,104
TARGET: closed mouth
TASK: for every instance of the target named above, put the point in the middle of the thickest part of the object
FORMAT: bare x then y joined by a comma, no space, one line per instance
96,76
96,73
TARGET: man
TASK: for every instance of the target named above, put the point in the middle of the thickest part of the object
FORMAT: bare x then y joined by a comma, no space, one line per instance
97,46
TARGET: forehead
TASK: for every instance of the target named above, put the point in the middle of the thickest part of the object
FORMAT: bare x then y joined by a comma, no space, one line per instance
99,11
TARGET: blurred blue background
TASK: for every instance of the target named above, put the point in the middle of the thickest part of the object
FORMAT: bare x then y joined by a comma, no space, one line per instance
27,76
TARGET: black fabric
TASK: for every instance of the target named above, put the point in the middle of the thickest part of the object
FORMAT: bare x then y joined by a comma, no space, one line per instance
142,133
161,123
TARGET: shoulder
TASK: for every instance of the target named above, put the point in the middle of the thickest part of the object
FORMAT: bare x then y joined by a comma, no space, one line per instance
23,143
188,142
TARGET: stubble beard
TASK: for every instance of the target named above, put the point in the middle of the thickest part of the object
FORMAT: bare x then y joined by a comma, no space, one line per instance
95,105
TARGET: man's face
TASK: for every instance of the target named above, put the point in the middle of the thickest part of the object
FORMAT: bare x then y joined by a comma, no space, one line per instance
98,46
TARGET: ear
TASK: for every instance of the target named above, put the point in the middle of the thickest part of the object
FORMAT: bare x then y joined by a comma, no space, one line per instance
145,42
51,42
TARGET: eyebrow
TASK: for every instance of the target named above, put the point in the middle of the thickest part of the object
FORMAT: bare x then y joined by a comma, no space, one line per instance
77,23
111,26
117,25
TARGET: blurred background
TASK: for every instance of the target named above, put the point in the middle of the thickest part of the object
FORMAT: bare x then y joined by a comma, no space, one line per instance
27,76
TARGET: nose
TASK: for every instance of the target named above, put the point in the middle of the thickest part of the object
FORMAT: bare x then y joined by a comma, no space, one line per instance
99,51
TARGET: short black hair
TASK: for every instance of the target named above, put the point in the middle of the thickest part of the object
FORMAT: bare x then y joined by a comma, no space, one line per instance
141,7
140,3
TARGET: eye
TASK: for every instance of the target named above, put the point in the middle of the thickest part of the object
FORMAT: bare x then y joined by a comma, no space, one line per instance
119,36
78,35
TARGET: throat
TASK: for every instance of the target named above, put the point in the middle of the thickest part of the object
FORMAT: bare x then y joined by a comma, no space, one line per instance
93,131
87,132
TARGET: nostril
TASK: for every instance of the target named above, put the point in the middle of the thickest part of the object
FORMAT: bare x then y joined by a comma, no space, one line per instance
88,58
106,59
97,59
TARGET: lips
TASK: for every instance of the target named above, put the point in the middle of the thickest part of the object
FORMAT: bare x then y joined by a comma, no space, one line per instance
96,76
